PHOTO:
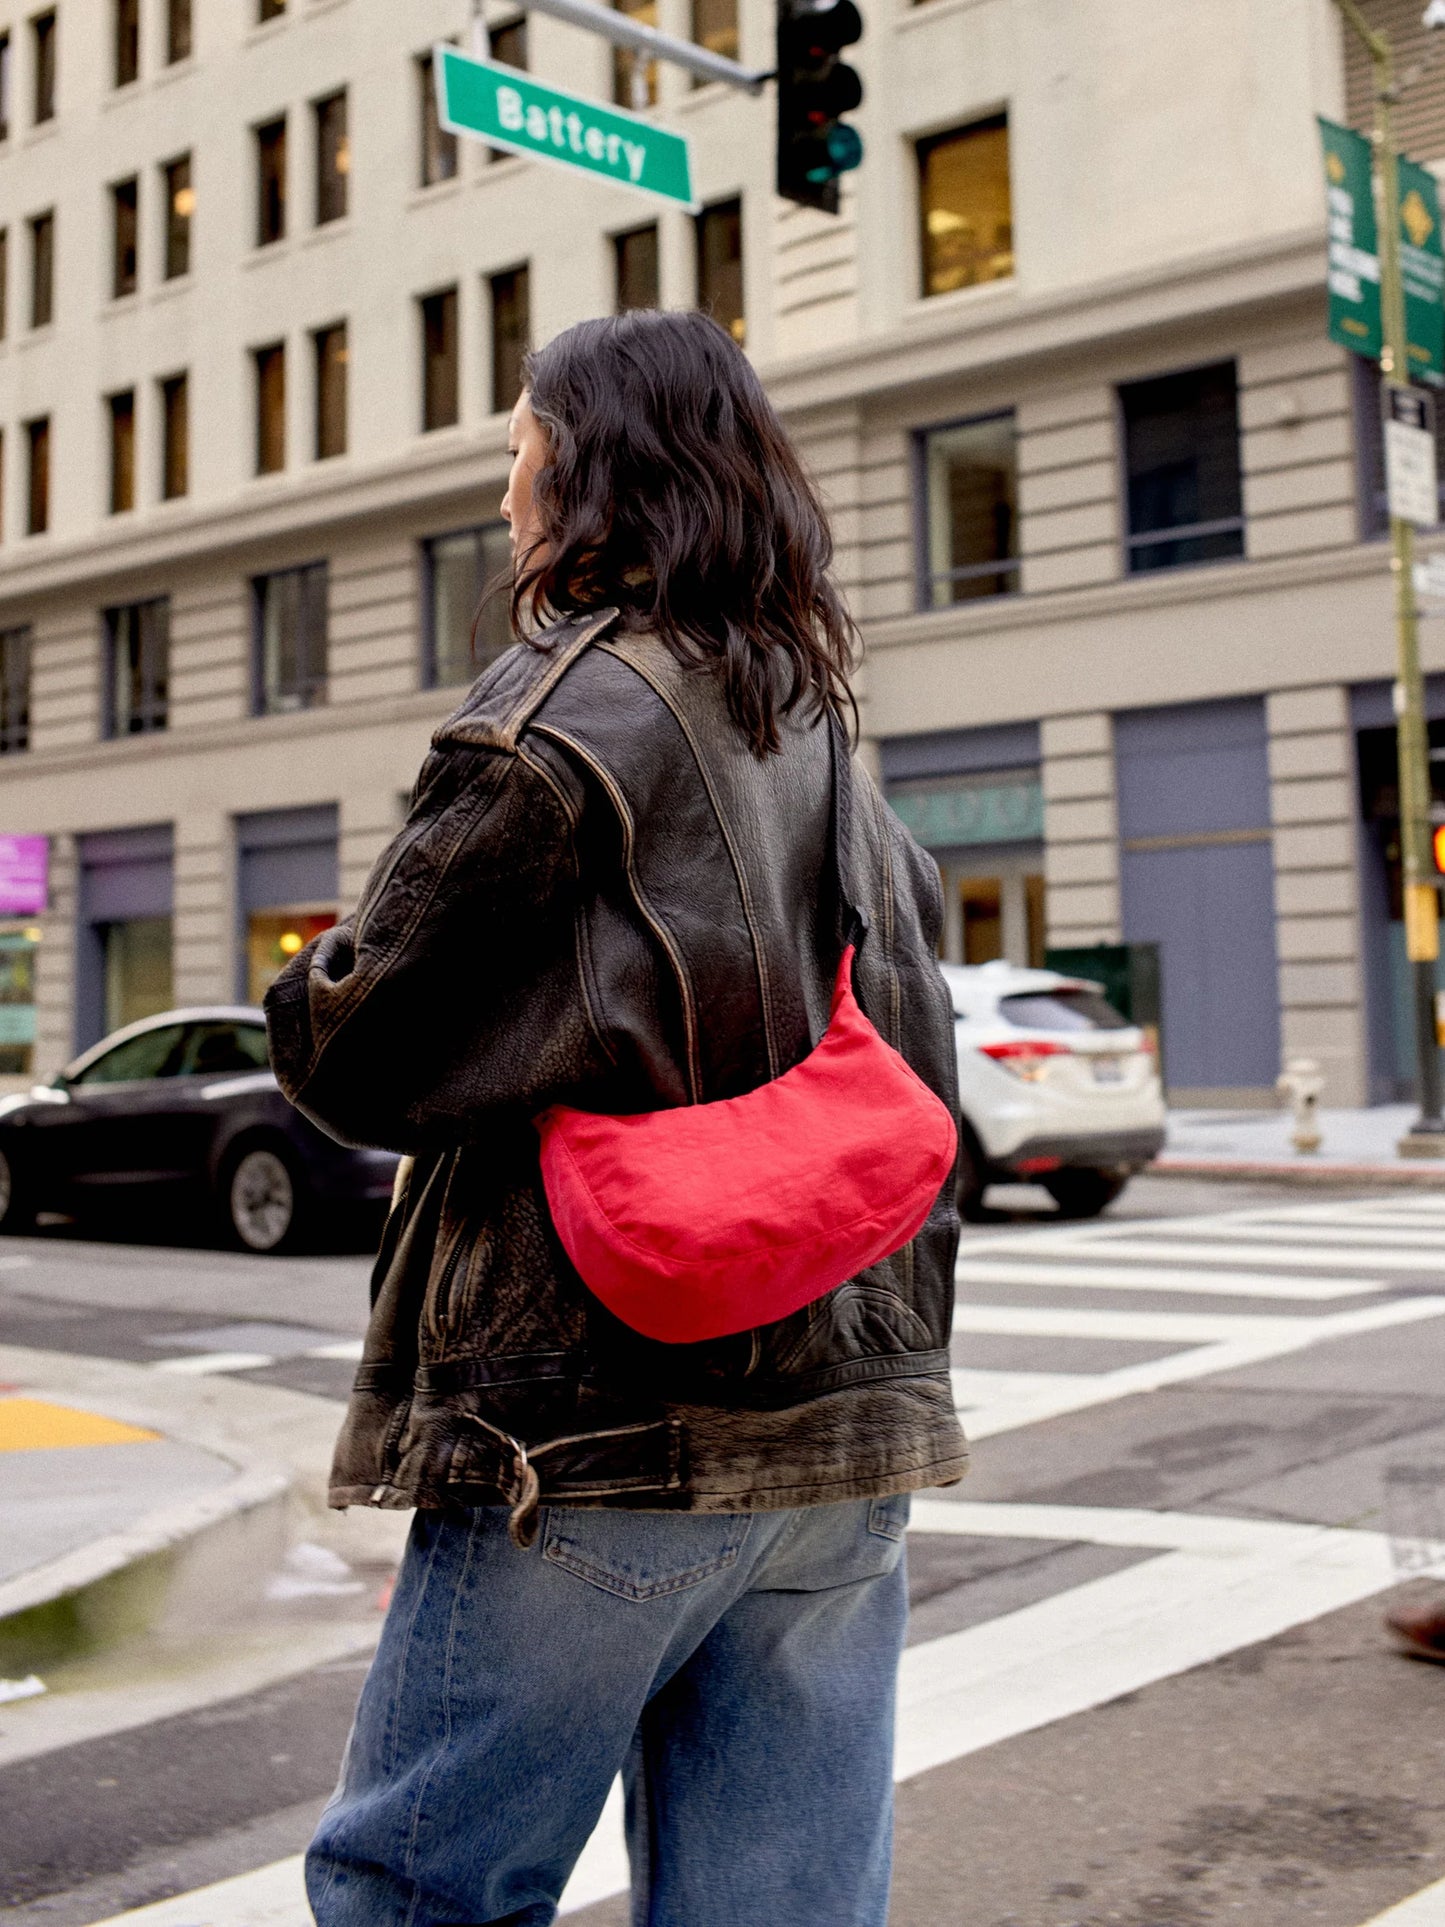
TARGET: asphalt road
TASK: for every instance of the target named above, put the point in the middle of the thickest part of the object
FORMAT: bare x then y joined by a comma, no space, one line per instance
1142,1686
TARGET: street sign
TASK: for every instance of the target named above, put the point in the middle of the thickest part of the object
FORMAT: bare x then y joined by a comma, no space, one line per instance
1430,577
1354,257
1410,481
507,108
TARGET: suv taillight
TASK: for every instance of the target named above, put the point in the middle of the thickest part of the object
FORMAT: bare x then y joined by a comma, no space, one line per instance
1026,1058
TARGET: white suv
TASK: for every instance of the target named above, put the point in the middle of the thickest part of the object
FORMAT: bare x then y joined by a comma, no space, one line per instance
1055,1087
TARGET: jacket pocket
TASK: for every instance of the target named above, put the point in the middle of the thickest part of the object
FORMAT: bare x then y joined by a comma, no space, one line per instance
643,1555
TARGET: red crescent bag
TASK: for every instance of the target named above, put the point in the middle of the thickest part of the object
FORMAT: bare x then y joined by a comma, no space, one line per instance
707,1219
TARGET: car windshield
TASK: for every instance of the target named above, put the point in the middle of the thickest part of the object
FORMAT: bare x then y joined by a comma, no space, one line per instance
154,1053
1070,1007
222,1050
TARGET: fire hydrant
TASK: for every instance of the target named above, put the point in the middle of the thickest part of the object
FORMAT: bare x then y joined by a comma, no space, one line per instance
1302,1082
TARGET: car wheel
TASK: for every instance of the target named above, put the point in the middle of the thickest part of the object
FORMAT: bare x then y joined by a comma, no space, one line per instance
263,1199
1083,1194
970,1181
16,1213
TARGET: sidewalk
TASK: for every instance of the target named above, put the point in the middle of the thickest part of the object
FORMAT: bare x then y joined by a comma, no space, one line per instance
1358,1146
134,1500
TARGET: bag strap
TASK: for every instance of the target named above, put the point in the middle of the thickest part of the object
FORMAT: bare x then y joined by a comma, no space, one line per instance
852,920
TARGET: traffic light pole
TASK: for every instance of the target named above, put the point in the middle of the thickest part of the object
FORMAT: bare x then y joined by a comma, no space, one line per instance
1426,1136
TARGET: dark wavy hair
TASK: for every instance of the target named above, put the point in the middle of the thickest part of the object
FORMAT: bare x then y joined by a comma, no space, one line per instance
671,491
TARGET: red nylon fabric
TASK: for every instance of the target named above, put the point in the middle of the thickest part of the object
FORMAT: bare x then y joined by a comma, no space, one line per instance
713,1218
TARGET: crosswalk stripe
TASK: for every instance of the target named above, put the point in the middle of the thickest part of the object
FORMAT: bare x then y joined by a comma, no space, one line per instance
1105,1275
1309,1236
1012,1409
1244,1252
207,1364
1069,1321
1425,1909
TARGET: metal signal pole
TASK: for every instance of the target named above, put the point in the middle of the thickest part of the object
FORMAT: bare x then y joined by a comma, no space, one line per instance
1426,1136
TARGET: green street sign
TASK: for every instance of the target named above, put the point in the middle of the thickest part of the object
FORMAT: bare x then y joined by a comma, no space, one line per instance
507,108
1354,257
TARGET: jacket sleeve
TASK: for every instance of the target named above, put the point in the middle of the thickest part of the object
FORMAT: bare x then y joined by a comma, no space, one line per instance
435,1010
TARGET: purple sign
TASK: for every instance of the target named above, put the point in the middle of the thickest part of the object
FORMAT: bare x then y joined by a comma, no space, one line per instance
23,863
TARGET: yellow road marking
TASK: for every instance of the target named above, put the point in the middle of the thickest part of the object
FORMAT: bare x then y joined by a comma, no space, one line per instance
32,1425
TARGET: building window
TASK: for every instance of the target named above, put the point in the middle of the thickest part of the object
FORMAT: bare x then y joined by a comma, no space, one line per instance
124,223
439,153
635,274
634,76
333,158
440,360
290,639
968,481
511,304
121,411
137,667
37,440
175,438
715,26
965,208
42,270
127,42
461,633
1181,457
14,690
43,39
4,86
270,408
720,266
180,206
271,182
331,364
507,44
178,31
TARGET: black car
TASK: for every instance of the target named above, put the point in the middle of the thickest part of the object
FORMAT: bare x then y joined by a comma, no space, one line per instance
180,1105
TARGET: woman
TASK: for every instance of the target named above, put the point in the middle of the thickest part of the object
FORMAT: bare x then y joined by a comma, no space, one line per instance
678,1562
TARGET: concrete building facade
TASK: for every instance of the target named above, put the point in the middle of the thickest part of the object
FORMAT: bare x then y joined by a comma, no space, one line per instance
1104,495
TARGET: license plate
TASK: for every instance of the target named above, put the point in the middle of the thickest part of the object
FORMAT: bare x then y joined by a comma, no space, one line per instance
1108,1070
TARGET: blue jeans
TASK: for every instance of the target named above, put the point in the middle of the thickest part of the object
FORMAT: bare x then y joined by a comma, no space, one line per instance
737,1668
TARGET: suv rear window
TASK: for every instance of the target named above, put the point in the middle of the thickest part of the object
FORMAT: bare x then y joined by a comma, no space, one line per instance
1065,1009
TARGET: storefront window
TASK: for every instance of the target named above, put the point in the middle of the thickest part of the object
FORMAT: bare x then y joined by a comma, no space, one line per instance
273,938
137,963
17,1000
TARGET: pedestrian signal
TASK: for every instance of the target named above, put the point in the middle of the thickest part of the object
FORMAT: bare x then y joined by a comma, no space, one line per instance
815,90
1437,846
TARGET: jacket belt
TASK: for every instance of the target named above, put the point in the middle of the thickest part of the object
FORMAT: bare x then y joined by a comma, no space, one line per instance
624,1458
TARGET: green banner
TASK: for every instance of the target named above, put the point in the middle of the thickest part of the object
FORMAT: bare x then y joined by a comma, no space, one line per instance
1422,269
507,108
1354,258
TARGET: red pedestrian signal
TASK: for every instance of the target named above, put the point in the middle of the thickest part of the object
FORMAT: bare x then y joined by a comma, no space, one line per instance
1437,847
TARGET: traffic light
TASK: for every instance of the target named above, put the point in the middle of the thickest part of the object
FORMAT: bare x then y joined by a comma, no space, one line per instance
815,90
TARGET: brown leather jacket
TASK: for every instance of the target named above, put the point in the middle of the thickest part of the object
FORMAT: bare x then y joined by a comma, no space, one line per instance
603,898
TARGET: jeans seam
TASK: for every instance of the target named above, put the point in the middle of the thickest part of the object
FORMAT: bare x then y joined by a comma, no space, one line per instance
458,1592
403,1657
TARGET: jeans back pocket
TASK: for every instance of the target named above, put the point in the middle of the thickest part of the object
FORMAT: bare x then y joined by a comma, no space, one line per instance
643,1555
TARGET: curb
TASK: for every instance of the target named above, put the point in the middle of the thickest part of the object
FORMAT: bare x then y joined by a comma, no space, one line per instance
1297,1171
197,1562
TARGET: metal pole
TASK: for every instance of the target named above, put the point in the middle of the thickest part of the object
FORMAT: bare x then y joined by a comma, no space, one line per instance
1422,925
623,32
